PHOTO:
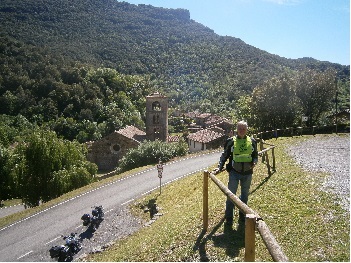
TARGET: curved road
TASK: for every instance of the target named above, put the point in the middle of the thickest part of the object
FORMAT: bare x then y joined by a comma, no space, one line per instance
31,238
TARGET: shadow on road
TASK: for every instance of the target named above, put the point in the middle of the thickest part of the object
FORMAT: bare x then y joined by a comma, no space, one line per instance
87,234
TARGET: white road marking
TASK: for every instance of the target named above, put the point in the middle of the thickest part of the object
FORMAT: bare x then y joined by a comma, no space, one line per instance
52,240
25,254
131,200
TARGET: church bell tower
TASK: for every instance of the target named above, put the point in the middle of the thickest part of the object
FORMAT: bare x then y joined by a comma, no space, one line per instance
156,117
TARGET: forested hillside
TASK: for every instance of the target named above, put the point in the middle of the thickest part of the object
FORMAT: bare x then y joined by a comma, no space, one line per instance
75,71
184,59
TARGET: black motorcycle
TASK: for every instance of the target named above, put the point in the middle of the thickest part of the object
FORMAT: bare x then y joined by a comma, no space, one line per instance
96,217
65,252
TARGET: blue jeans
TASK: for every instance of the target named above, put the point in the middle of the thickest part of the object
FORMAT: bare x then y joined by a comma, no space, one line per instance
245,182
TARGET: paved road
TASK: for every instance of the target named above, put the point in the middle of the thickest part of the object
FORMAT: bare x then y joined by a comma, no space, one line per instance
5,211
30,238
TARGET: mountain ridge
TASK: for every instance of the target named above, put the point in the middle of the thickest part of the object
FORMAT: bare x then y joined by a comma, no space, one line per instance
182,57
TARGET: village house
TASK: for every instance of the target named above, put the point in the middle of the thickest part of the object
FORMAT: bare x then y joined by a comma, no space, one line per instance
106,153
206,139
202,118
210,132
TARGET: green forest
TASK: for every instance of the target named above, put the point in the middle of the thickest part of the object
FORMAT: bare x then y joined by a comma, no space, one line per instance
75,71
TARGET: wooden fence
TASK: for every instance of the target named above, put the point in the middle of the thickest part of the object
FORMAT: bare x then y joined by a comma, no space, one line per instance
264,154
299,131
253,221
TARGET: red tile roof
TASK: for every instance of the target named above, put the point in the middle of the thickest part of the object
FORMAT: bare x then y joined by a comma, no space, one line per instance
204,115
215,120
132,132
205,136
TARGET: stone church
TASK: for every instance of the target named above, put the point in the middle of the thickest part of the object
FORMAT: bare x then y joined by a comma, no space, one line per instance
107,152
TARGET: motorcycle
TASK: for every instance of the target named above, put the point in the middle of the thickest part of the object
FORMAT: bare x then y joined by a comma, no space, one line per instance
96,217
65,252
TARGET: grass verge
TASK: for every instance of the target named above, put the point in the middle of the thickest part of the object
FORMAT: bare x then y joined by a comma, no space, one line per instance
306,222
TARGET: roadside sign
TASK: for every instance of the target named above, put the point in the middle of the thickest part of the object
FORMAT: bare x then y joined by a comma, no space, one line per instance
159,167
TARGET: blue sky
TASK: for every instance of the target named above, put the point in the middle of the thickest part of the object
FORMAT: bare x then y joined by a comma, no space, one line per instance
289,28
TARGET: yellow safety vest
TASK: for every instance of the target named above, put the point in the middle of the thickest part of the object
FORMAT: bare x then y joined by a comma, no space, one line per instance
242,150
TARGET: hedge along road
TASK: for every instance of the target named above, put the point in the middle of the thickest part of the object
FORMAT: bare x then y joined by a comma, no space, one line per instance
31,238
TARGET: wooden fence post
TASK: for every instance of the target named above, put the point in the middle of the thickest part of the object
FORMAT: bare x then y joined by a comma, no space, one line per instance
205,201
267,162
273,156
250,225
261,148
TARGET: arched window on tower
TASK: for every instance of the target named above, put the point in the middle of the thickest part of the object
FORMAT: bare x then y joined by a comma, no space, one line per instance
156,119
156,106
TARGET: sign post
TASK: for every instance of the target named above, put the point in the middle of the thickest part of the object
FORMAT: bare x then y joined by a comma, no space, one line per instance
303,119
160,170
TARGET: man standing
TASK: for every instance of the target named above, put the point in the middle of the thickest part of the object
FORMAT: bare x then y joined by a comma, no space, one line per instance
241,150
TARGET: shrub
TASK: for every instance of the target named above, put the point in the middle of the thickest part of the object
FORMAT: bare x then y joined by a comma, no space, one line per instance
150,152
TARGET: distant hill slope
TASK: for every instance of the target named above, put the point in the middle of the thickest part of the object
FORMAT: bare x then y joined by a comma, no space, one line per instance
187,60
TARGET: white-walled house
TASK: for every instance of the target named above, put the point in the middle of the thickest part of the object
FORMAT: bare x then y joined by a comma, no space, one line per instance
205,139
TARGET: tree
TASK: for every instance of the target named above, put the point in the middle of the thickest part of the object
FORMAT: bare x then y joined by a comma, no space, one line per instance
315,92
50,167
273,103
243,109
7,182
7,103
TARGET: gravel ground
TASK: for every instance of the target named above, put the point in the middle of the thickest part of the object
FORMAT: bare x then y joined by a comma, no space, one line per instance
330,154
117,225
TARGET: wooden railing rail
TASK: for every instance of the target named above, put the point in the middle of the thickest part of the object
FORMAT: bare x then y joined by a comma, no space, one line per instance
297,131
253,222
271,243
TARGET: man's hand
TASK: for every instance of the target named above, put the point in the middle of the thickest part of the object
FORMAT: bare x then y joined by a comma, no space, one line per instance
253,164
216,171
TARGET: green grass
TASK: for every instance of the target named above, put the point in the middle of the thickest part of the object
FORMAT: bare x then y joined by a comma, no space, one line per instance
306,222
11,202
